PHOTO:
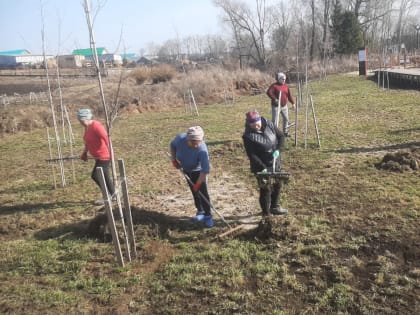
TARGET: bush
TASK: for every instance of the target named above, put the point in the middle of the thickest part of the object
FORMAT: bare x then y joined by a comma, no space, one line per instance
141,75
162,73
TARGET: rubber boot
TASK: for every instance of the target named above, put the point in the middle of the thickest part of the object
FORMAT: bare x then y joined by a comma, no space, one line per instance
208,221
198,217
279,211
265,201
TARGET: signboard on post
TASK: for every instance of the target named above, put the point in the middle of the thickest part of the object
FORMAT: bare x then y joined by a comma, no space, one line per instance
363,61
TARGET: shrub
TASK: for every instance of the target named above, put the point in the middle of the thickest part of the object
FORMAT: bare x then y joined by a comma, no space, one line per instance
141,75
162,73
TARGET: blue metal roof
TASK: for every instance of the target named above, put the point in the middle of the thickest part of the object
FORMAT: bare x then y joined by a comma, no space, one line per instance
17,52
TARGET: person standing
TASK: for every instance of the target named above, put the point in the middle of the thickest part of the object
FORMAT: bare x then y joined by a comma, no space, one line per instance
263,143
96,142
189,153
273,92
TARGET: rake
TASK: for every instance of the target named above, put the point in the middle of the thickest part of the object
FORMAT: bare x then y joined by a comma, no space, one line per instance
231,229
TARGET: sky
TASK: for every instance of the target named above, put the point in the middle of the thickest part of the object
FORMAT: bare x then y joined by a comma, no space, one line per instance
137,22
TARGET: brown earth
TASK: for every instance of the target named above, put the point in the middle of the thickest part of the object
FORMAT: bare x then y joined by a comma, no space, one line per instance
401,161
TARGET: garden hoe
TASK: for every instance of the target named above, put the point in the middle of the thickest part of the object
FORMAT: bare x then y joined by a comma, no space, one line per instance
64,158
231,229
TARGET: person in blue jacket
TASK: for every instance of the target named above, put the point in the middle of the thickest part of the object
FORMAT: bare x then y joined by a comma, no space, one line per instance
189,153
263,142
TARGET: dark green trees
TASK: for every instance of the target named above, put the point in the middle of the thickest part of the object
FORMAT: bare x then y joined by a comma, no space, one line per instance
345,30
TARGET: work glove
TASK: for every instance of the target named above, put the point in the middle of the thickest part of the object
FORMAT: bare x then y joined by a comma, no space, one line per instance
84,156
176,164
293,107
276,154
196,187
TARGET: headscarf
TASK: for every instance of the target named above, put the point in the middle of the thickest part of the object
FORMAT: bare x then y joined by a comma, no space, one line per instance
252,116
195,133
84,114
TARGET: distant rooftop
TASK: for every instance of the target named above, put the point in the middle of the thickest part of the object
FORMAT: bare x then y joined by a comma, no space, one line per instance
89,52
129,55
17,52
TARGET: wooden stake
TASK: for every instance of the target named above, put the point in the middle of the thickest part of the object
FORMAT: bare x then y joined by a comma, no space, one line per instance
71,141
51,156
298,102
276,121
57,135
110,216
195,104
306,107
316,125
127,207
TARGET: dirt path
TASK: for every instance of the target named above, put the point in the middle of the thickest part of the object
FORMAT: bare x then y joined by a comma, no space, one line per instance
237,203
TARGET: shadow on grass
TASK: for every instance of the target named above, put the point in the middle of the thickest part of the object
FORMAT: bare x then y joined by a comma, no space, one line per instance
30,187
147,225
35,208
400,146
397,132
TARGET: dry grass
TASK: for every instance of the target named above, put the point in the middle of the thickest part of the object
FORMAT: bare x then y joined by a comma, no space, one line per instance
161,88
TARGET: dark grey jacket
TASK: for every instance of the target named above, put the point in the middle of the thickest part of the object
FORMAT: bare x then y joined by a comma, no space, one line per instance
260,145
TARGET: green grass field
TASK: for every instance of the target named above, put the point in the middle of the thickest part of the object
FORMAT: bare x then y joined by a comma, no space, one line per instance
349,245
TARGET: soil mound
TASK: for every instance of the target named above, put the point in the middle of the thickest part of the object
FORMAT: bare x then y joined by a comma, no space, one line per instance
400,161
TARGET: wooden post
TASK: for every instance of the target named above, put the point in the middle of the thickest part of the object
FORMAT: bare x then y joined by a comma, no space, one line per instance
298,102
71,141
127,207
306,108
185,103
316,125
51,156
277,112
110,216
126,244
193,100
233,95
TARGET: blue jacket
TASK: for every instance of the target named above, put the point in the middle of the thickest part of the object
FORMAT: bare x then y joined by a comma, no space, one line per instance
191,159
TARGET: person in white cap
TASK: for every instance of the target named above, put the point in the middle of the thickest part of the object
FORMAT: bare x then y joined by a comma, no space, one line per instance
273,92
189,153
96,142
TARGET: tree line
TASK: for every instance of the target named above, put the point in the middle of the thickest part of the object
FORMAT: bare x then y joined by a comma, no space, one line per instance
266,31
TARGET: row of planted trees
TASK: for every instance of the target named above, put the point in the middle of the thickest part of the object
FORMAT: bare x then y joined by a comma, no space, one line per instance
63,138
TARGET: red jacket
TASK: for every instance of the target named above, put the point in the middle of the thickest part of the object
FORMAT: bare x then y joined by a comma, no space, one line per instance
274,91
96,141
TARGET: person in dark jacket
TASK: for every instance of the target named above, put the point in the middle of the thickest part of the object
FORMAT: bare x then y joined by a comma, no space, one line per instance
263,142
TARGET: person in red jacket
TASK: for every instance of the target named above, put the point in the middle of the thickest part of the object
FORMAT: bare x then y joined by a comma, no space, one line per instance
97,145
273,93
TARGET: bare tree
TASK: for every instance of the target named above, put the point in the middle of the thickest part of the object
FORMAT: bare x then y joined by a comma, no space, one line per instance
313,26
250,28
325,21
282,27
404,10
